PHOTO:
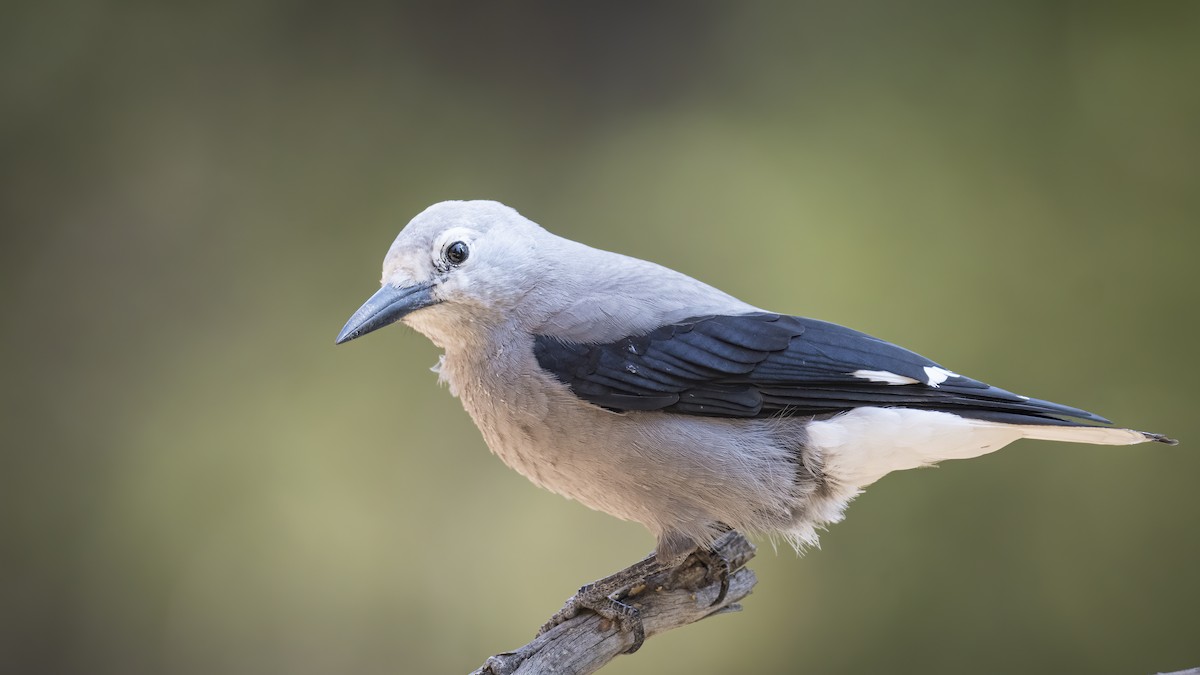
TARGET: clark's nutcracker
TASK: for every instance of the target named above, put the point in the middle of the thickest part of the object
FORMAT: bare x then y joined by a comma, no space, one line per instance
646,394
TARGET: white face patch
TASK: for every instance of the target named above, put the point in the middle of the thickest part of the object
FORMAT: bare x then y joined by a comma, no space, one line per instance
884,377
938,375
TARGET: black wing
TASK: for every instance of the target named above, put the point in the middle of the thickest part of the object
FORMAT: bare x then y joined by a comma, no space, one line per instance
760,365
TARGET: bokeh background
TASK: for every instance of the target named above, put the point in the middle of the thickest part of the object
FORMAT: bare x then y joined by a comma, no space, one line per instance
195,196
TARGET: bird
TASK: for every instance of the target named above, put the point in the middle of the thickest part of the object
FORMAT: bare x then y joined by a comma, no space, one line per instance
651,396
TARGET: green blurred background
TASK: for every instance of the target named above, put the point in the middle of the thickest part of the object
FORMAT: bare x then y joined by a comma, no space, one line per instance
196,196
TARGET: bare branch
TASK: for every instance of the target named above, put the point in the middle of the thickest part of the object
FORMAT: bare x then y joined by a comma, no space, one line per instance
668,600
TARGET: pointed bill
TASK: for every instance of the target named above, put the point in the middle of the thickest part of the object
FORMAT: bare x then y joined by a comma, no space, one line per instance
387,306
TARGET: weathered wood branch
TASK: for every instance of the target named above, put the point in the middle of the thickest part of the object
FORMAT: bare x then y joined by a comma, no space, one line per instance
667,600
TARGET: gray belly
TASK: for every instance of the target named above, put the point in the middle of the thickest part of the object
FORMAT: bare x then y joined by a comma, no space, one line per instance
668,472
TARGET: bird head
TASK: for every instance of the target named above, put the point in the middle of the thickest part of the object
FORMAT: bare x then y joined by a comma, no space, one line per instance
456,269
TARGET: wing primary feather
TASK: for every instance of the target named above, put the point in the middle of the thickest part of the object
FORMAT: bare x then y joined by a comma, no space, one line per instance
761,364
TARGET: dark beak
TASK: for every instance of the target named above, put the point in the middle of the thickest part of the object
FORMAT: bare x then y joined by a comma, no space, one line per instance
387,306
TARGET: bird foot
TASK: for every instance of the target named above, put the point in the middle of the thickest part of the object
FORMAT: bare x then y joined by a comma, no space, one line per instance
718,565
603,597
594,598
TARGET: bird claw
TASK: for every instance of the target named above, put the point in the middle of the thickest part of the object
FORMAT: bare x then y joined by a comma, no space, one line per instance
717,564
590,597
569,610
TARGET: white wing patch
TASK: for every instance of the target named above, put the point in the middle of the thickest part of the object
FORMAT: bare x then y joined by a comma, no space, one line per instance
884,377
938,375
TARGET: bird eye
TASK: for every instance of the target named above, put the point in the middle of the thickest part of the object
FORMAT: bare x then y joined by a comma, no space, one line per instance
456,253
